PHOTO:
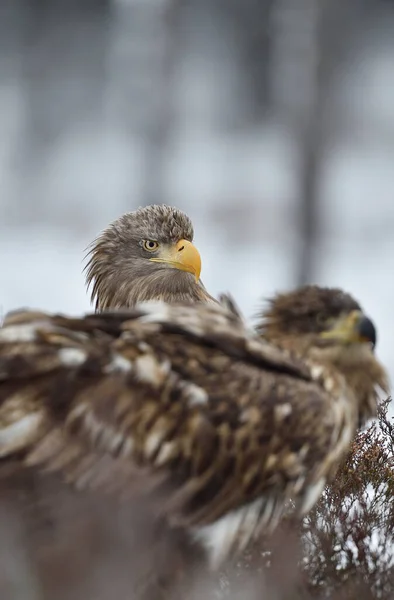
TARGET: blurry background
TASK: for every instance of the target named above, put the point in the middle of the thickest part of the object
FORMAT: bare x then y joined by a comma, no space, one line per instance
270,122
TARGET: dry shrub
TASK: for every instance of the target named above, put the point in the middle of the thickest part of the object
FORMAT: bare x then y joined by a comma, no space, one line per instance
344,548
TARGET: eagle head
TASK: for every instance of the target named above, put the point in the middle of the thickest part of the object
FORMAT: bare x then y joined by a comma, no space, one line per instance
145,255
328,327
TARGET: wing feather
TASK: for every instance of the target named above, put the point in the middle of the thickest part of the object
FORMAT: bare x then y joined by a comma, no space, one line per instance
183,402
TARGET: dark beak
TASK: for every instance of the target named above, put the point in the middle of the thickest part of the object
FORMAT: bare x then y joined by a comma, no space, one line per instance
366,330
352,328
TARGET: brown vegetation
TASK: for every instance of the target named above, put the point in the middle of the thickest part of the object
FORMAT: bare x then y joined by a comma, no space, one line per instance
344,549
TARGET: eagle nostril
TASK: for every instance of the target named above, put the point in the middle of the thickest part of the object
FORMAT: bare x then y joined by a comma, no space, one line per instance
181,248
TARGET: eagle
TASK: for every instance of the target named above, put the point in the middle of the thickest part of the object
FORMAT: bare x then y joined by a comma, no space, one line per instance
145,255
216,425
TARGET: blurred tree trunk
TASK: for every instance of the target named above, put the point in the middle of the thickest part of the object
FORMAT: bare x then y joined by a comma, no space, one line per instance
144,59
63,65
250,22
160,126
61,54
311,38
312,140
335,24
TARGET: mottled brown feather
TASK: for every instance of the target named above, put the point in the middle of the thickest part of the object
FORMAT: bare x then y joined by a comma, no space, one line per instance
182,402
304,310
294,322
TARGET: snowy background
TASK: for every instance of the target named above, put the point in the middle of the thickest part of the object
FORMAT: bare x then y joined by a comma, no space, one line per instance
270,122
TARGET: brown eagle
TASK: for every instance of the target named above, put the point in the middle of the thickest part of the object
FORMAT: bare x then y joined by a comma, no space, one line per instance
145,255
184,405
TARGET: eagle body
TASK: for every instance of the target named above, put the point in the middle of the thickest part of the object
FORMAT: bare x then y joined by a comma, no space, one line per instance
182,406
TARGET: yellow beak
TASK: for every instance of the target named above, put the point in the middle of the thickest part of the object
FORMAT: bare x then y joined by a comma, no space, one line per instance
352,328
183,256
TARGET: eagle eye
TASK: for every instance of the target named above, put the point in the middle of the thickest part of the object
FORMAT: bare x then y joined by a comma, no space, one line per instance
150,245
321,319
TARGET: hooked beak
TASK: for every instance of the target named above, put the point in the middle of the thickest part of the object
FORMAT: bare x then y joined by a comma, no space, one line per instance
183,256
352,329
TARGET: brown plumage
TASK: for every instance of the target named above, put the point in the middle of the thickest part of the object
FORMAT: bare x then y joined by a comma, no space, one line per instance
145,255
325,326
186,407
